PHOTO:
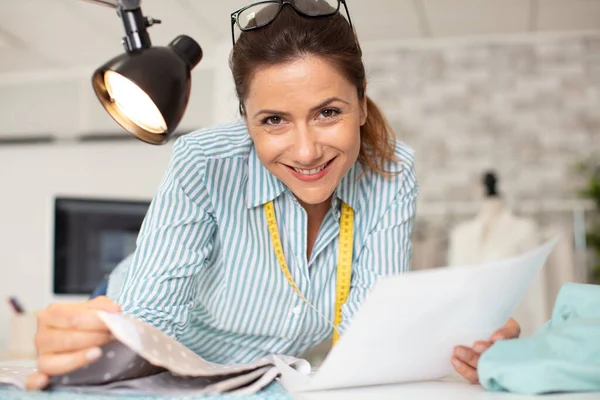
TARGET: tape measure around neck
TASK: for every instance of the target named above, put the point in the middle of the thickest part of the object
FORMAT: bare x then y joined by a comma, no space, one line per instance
344,268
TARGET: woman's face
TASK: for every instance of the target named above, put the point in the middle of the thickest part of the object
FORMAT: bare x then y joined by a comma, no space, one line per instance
304,118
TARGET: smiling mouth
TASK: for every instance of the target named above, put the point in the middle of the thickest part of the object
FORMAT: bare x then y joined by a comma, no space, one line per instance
313,171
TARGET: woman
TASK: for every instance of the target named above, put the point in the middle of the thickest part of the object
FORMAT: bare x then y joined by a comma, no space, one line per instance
243,204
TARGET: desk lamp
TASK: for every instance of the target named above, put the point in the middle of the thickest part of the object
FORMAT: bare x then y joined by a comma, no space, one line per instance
146,89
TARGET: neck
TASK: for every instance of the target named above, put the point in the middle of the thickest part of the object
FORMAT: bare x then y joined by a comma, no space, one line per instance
316,211
315,214
492,207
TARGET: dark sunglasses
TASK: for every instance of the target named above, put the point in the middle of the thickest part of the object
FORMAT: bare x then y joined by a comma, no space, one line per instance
262,13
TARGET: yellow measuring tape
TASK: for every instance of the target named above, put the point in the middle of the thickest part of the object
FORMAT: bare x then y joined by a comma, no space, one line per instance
344,269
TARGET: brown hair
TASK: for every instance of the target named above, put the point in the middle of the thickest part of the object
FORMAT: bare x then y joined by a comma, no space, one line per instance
291,36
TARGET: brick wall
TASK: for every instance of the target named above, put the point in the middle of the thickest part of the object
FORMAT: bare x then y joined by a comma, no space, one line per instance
528,108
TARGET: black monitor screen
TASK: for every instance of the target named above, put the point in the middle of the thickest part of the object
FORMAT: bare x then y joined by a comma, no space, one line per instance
91,237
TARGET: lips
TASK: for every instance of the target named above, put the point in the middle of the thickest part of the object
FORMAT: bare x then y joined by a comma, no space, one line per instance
311,174
312,171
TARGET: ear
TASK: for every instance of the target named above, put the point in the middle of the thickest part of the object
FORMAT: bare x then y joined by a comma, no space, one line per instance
242,110
363,107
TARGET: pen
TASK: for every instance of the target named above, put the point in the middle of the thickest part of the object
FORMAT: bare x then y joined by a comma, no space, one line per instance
16,306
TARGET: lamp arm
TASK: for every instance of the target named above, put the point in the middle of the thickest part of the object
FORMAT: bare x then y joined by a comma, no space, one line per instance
123,4
129,5
107,3
135,24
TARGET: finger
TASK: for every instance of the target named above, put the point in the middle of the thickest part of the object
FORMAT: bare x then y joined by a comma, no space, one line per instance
510,330
103,303
466,371
70,317
481,345
60,341
467,355
62,363
36,381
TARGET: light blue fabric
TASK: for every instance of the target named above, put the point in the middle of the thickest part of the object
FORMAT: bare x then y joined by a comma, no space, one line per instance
206,273
563,356
273,392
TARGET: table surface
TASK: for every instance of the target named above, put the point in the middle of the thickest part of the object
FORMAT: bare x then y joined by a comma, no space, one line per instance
447,389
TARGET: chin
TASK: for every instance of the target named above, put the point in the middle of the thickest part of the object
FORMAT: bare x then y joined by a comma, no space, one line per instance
311,197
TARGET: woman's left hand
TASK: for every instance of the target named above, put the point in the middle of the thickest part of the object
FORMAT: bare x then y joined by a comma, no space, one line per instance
465,359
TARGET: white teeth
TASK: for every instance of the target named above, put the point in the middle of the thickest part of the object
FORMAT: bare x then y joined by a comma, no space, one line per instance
311,171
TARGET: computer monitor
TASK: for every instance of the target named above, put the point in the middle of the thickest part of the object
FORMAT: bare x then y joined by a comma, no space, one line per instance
91,236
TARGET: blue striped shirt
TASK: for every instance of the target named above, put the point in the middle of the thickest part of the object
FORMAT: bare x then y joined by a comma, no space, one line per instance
205,271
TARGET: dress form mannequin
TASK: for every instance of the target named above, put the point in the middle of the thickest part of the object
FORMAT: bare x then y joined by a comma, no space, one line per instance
496,234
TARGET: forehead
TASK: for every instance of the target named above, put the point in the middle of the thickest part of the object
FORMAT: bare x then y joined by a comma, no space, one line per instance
306,76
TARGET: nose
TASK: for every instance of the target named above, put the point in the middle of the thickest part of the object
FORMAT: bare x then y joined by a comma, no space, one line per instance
307,149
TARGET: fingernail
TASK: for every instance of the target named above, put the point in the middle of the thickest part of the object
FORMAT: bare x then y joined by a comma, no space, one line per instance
93,354
456,363
461,353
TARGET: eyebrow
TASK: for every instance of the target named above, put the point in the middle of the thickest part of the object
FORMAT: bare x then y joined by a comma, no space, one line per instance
314,109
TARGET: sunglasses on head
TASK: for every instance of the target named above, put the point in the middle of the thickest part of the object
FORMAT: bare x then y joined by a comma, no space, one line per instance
262,13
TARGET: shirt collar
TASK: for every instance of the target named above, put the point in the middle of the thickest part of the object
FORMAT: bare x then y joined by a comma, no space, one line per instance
348,189
263,186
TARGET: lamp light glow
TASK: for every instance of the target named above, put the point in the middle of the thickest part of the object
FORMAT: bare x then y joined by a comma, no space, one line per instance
134,103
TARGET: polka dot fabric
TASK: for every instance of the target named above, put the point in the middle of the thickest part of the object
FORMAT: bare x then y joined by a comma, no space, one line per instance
15,376
145,361
161,350
118,363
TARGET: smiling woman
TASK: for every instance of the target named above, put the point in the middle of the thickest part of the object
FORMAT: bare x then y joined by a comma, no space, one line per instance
304,119
336,53
266,230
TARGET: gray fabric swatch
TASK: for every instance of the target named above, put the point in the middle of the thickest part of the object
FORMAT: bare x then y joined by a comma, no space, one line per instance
144,360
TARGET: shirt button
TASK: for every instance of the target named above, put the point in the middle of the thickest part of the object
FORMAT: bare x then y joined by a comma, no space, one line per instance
296,310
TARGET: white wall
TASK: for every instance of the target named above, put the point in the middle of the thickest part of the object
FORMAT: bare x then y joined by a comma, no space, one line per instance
62,104
30,178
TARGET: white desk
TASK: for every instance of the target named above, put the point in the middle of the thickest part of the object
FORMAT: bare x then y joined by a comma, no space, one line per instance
446,390
450,389
8,357
20,362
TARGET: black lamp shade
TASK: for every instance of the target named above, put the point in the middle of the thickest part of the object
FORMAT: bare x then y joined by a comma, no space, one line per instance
163,74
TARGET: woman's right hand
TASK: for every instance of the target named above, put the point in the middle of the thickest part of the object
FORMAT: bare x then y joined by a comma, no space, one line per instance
69,336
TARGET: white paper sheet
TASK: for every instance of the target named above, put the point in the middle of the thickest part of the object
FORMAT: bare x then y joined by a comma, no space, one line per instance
407,328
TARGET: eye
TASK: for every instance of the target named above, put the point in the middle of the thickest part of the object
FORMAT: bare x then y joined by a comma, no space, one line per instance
330,113
273,120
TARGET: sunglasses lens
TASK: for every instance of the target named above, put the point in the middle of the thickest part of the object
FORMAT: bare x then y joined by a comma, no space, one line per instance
317,7
258,15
